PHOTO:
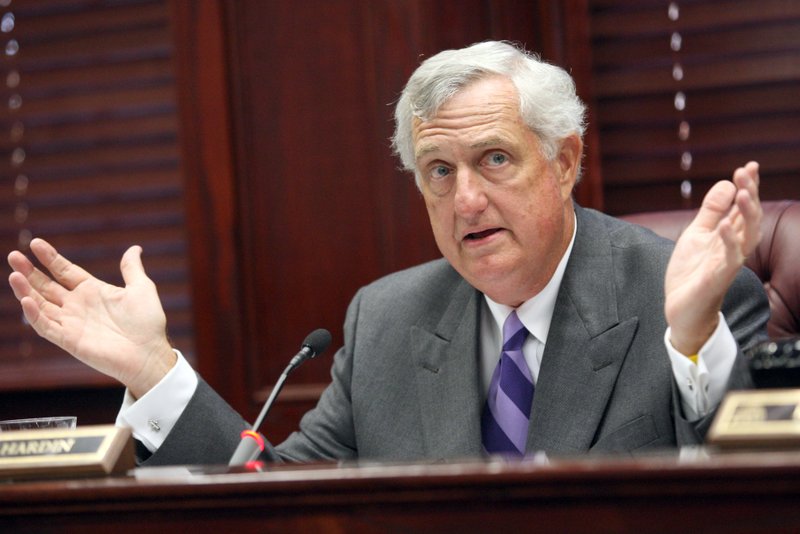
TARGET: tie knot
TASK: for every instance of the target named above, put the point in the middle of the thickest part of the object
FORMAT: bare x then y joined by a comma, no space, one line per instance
514,333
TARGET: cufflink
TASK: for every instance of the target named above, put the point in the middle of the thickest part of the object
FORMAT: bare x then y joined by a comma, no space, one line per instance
154,425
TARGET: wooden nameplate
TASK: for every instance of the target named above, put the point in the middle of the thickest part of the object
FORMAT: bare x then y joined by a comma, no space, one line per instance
758,419
60,452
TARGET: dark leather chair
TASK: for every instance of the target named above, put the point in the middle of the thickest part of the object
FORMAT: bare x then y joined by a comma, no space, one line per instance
775,260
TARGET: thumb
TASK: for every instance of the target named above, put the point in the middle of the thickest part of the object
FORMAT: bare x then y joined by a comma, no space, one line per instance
716,205
131,266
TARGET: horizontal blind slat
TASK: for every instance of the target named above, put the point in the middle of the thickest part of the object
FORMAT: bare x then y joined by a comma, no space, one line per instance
648,19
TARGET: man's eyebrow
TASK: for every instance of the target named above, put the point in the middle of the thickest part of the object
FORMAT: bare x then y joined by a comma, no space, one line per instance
495,140
424,150
490,141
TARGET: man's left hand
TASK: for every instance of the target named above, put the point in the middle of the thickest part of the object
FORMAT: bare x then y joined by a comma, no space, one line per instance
708,255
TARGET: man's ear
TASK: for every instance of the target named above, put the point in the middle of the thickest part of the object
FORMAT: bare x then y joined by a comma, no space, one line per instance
568,163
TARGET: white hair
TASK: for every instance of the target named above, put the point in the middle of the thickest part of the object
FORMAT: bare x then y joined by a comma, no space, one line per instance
548,103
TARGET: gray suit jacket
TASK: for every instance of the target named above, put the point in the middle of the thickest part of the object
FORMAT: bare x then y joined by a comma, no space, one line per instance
406,382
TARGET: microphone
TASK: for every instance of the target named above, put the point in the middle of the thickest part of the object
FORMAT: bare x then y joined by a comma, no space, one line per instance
252,442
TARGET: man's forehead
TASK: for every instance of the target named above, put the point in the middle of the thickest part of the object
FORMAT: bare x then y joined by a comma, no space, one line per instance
475,129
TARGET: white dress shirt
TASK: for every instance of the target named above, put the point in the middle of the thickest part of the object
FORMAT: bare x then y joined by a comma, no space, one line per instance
153,416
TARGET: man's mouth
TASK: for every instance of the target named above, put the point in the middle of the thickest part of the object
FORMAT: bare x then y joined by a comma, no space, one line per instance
480,235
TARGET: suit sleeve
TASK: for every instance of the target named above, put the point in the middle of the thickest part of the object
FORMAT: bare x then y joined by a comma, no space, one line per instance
327,432
208,430
206,433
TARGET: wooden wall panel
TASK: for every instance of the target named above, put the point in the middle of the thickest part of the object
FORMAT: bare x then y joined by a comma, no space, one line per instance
209,176
318,207
291,196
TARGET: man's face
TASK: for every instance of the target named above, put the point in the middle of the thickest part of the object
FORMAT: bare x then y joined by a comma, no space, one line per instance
501,214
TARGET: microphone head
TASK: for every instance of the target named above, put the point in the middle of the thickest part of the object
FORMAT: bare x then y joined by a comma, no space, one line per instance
317,341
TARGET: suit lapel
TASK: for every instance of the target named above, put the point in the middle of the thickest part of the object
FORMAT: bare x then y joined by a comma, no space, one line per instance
447,378
585,349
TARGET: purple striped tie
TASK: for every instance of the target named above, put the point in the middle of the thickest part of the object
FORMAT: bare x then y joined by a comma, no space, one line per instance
508,406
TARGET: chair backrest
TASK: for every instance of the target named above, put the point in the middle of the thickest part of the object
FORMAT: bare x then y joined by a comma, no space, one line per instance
775,260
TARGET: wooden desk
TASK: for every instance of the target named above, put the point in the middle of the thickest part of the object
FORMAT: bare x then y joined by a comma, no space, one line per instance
728,493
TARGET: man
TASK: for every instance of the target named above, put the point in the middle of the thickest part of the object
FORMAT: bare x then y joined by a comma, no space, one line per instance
619,342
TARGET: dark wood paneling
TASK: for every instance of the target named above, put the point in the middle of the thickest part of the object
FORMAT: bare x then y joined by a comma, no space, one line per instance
572,51
307,186
321,207
208,170
292,196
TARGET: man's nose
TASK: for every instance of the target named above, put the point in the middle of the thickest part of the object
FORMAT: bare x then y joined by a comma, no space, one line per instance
470,195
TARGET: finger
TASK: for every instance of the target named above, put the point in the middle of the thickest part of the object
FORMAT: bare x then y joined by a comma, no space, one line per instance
732,241
30,309
23,290
64,271
751,171
18,278
749,227
41,321
19,262
716,205
747,213
747,181
19,285
30,298
131,266
36,280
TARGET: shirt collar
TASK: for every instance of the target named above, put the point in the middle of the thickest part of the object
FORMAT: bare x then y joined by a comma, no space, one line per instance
536,312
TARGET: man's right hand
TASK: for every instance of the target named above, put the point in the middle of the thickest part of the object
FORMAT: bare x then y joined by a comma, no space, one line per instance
120,331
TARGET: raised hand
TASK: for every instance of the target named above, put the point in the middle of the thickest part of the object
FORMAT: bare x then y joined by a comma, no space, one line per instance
120,331
708,255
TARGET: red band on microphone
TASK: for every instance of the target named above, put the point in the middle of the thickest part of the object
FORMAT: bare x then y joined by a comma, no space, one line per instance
254,435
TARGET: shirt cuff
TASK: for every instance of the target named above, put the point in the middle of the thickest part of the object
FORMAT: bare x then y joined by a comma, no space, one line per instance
152,417
702,385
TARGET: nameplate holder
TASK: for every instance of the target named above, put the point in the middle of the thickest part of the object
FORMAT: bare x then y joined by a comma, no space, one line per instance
66,452
758,419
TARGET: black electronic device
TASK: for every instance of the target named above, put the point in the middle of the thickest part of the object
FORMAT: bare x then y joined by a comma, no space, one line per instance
776,364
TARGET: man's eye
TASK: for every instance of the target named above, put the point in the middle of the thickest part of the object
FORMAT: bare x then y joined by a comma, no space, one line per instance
497,158
439,172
